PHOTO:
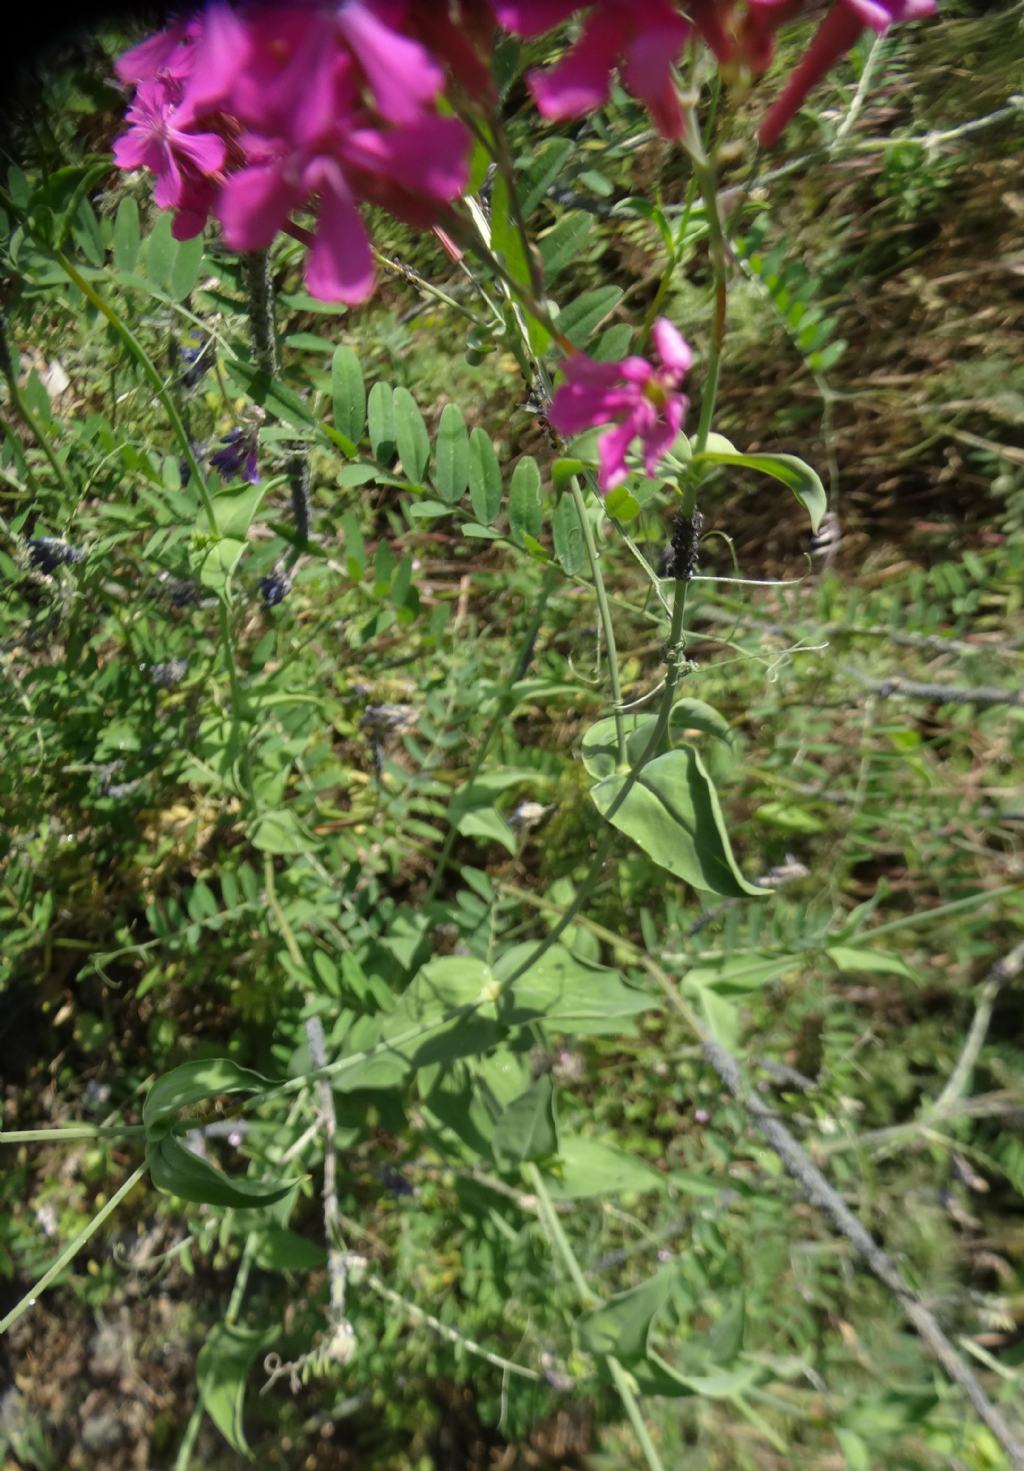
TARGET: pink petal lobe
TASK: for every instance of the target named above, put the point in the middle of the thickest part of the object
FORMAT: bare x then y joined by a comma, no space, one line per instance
206,150
648,73
150,55
611,454
402,74
581,80
339,266
660,437
671,347
836,34
255,202
532,17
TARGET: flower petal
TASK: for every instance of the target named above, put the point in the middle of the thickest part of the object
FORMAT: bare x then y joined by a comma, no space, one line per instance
611,453
401,72
221,56
659,438
339,266
648,73
255,202
206,150
671,347
532,17
582,79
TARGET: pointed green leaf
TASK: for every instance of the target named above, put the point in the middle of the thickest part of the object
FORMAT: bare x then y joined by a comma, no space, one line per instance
348,393
563,244
871,962
584,315
586,1167
622,1326
188,262
271,394
280,832
216,564
193,1082
177,1171
536,179
222,1365
283,1250
740,973
355,546
564,994
613,344
506,240
411,436
126,235
528,1129
234,508
484,477
524,511
381,421
600,747
489,825
451,455
791,471
567,535
161,250
671,810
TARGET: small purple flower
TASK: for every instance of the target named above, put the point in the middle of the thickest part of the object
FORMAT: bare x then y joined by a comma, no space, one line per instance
198,360
394,1183
237,456
641,400
275,588
47,553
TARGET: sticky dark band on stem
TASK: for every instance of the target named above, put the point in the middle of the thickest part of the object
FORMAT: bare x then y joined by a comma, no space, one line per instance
685,546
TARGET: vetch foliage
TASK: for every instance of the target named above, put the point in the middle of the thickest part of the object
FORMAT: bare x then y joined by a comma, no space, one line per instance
395,821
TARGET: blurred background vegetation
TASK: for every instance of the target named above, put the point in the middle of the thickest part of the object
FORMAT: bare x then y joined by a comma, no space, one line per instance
876,316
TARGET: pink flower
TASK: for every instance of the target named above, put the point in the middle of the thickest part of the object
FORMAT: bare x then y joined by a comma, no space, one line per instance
644,37
169,51
642,400
836,34
155,141
258,111
741,34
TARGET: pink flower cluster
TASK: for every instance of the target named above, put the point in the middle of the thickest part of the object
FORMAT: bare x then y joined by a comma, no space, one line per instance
641,400
255,112
251,111
645,38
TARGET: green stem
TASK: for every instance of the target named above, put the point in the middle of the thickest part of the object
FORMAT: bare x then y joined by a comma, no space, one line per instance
587,1297
70,1132
153,378
241,1278
559,1240
399,268
676,661
260,293
283,924
503,159
704,174
38,433
632,1408
71,1250
604,612
493,725
184,1457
